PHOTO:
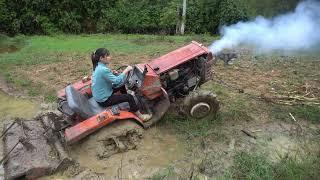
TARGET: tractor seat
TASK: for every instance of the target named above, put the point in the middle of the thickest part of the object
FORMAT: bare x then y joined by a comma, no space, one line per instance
86,107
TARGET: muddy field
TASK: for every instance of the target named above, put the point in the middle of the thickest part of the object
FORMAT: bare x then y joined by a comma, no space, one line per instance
264,108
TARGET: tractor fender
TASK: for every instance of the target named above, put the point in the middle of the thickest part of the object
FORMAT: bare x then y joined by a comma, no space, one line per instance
79,131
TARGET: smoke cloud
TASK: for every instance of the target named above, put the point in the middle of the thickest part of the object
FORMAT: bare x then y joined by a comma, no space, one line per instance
298,30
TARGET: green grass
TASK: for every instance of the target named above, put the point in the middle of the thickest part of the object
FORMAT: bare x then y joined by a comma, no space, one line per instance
167,173
311,113
257,166
303,112
238,108
190,128
46,49
35,50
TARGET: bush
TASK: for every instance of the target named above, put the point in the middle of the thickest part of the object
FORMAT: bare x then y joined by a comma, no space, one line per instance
128,16
231,12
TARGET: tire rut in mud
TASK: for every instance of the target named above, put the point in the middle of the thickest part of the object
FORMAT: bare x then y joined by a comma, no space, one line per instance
117,137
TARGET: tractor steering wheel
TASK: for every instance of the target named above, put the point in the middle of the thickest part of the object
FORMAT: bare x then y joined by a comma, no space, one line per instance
128,76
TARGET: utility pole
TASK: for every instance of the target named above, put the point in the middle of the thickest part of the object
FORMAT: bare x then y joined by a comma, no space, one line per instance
183,21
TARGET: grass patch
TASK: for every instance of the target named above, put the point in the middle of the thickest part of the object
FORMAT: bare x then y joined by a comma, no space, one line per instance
238,108
6,41
306,112
51,96
221,91
46,48
167,173
257,166
187,127
234,106
311,113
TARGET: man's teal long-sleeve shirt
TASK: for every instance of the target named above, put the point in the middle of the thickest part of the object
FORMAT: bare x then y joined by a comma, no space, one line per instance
102,82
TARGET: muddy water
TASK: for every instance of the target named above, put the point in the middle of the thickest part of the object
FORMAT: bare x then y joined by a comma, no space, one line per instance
11,107
159,149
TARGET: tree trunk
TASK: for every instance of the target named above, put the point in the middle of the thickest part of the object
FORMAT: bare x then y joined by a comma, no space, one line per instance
183,21
178,25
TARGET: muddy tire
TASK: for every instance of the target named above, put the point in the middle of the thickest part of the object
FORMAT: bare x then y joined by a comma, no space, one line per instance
117,137
200,104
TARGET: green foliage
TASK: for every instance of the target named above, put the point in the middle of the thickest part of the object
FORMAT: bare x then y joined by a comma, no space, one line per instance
231,11
270,8
208,15
168,17
128,16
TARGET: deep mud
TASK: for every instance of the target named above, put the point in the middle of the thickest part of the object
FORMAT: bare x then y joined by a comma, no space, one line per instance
156,150
115,138
140,155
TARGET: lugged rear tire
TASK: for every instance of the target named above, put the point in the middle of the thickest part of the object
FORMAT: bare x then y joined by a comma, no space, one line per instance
201,104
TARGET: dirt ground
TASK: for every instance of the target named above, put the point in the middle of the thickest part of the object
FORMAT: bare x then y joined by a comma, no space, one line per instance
284,82
57,75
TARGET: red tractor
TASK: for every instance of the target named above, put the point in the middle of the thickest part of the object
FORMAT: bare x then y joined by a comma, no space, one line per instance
154,85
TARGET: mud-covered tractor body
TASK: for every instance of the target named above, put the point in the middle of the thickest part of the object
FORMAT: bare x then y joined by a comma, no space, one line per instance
154,86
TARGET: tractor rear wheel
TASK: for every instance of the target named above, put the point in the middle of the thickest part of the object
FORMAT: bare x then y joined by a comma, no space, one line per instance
201,104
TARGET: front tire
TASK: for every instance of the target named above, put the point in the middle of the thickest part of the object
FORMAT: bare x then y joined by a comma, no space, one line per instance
201,104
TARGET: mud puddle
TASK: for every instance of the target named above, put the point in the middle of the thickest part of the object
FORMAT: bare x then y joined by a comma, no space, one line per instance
158,149
12,107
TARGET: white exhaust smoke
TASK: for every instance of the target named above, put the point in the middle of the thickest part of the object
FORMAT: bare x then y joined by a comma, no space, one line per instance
298,30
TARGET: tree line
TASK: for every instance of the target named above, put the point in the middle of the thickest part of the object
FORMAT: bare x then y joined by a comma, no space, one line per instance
130,16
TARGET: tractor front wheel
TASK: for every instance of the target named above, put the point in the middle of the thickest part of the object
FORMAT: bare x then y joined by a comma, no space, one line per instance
201,104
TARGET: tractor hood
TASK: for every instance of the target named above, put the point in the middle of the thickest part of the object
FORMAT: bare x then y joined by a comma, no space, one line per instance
177,57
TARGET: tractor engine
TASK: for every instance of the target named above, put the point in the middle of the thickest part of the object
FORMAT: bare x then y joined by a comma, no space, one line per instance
186,77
